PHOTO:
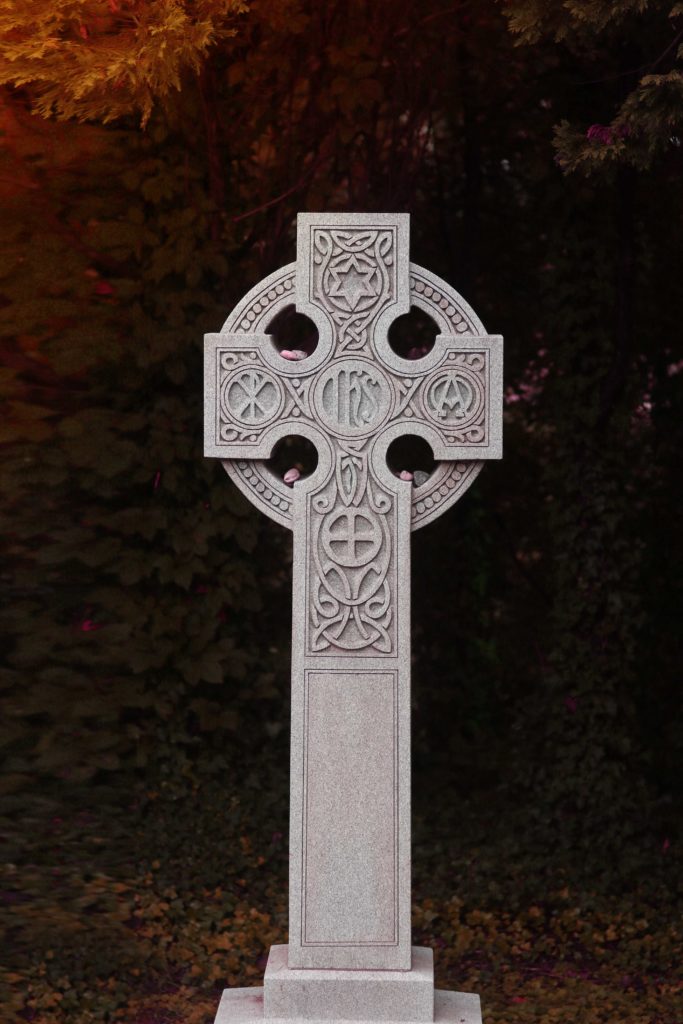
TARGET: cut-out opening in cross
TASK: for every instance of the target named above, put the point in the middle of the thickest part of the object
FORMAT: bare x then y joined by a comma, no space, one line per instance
293,334
412,335
411,453
293,452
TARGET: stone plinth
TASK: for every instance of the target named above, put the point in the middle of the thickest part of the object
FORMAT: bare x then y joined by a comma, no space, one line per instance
245,1006
307,994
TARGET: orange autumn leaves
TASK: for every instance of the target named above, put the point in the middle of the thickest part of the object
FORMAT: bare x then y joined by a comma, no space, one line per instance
104,59
175,950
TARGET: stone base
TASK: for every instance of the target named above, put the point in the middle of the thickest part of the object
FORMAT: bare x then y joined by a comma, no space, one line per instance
245,1006
332,995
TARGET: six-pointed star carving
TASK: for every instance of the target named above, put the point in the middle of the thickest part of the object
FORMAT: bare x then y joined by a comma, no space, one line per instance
352,281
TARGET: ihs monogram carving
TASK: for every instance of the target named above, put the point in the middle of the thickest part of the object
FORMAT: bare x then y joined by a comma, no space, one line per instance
352,397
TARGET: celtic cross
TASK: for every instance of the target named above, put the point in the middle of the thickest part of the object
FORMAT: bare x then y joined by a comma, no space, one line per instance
351,520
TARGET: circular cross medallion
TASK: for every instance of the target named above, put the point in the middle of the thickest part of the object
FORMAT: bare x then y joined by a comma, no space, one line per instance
352,397
252,397
452,397
350,538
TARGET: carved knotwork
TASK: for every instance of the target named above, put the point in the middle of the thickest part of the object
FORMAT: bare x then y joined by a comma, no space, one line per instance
352,526
447,483
352,390
353,278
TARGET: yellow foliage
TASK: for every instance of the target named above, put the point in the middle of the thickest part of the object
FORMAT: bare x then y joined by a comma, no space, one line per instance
103,59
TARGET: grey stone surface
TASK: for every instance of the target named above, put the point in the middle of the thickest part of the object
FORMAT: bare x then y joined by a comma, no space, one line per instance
350,995
351,520
245,1006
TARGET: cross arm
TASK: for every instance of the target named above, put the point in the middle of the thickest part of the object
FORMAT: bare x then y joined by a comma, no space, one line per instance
452,397
251,402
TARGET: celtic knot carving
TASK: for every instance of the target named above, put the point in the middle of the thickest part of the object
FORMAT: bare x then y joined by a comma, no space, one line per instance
348,404
351,592
353,279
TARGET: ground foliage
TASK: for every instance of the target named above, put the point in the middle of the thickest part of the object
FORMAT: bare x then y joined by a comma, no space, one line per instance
158,924
147,606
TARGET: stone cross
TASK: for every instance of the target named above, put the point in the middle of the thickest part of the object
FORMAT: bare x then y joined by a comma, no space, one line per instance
349,883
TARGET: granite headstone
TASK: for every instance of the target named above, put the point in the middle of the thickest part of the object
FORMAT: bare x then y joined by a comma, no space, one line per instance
349,955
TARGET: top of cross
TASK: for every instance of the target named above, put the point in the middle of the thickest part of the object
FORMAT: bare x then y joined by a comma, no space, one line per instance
352,277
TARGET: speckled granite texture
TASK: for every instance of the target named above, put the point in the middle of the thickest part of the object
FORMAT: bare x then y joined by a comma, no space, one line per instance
351,520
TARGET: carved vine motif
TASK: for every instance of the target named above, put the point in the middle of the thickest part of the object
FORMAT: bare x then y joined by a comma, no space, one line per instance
353,279
351,559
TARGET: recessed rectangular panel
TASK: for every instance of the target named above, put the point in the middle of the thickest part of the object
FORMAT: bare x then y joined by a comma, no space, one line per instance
350,809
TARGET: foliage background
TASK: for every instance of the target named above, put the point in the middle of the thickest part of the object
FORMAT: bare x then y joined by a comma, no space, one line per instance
153,160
